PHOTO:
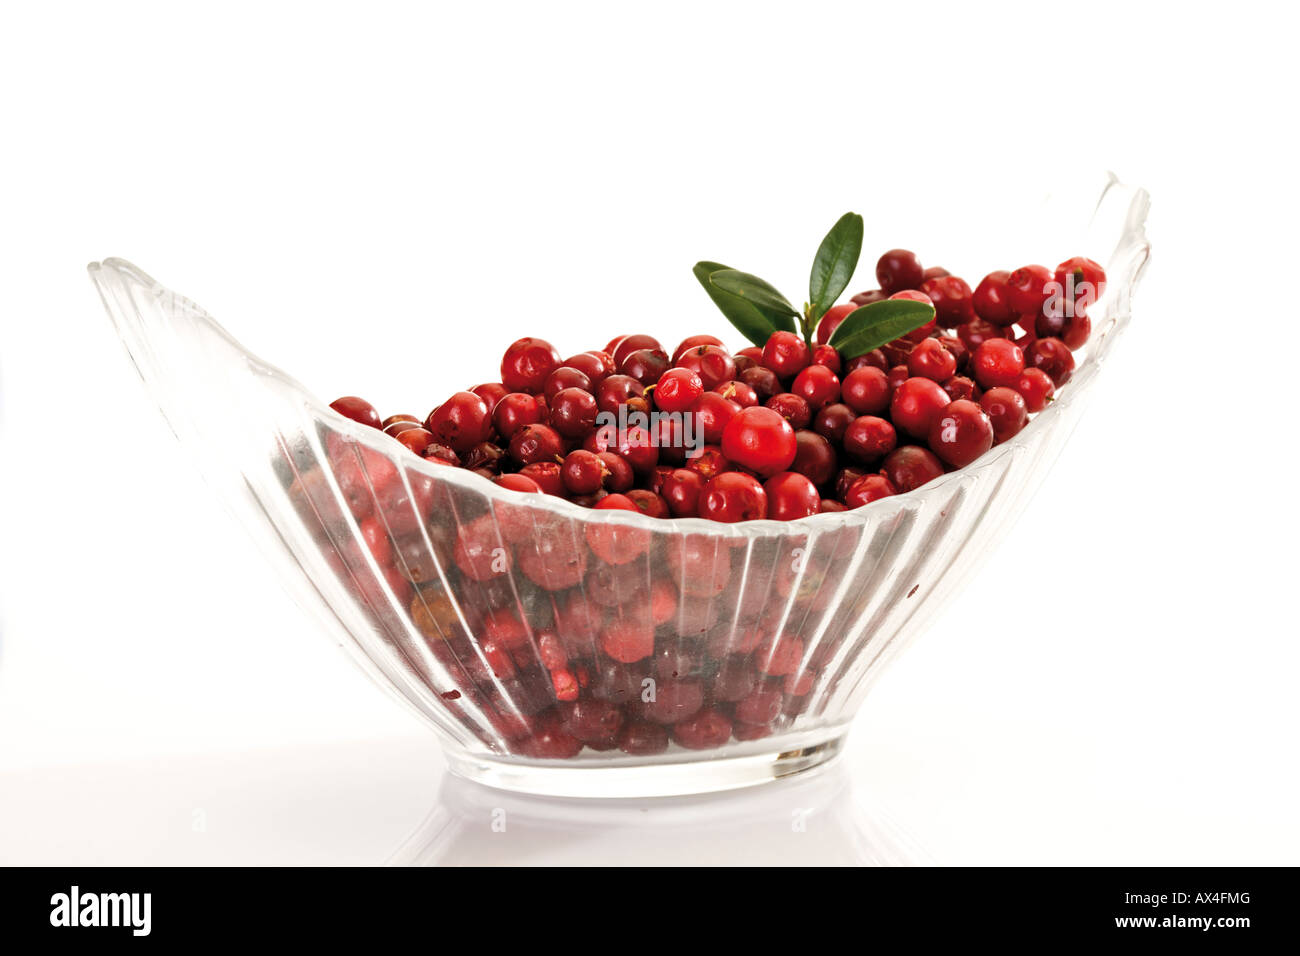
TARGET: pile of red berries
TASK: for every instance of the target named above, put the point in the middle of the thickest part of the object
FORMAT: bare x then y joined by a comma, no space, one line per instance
784,431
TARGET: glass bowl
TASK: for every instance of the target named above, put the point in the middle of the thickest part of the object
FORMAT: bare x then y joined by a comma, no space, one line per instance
462,598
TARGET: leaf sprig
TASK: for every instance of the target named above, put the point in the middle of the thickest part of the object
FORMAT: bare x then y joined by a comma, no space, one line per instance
757,309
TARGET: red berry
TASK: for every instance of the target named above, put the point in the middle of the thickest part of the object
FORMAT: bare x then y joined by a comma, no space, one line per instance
526,364
592,719
998,362
573,413
1007,412
1076,332
678,390
762,381
989,300
977,331
931,359
491,392
595,365
547,476
869,439
911,466
898,270
1028,291
681,489
461,422
1036,388
786,354
959,386
759,439
583,472
703,731
916,404
1053,357
534,443
712,412
709,462
692,342
831,423
357,409
1082,282
790,496
416,439
733,496
870,296
828,356
961,433
518,482
831,321
867,489
628,641
638,447
867,391
793,408
951,297
632,343
617,543
649,503
619,476
617,390
814,458
817,385
740,393
645,365
711,363
565,377
516,410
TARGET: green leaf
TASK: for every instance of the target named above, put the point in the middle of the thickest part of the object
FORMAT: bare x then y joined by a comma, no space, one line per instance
837,258
752,289
877,324
752,321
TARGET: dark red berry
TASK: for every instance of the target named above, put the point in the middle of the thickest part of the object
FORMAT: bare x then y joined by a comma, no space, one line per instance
705,730
961,433
951,297
989,300
645,365
831,423
527,363
867,391
959,386
869,439
793,408
619,476
565,377
461,422
814,458
762,380
1028,291
1081,282
595,365
633,343
911,466
516,410
870,296
357,409
547,476
491,392
1007,412
977,331
711,413
695,341
583,472
1036,388
643,739
534,443
898,270
573,413
1053,357
649,503
681,489
616,390
712,363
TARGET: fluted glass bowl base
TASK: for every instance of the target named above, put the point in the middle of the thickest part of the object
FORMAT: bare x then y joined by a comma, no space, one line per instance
705,773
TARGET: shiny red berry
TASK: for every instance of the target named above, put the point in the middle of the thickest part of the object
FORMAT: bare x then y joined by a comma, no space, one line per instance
989,300
790,496
681,489
869,439
961,433
633,343
516,410
911,467
867,391
1007,412
713,364
931,359
461,422
831,321
357,409
998,362
867,489
527,363
831,422
814,457
733,496
573,413
793,408
535,443
1028,290
759,439
565,377
1036,388
678,390
616,390
916,404
1081,282
711,413
647,366
1053,357
817,385
595,365
786,354
695,341
951,297
583,472
898,270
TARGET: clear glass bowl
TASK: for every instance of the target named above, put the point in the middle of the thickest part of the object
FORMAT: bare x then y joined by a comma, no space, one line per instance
766,634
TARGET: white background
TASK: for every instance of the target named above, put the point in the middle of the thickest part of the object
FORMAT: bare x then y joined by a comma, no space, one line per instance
381,197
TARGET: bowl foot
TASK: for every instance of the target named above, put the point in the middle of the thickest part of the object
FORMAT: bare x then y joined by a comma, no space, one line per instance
696,773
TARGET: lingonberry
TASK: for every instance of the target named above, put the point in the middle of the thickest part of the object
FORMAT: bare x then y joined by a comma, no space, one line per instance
869,439
934,272
534,443
709,462
793,408
549,741
977,331
845,479
547,476
733,496
762,381
583,472
702,565
516,410
394,425
619,476
989,300
669,431
1050,322
867,489
916,404
416,439
1082,282
1028,290
828,356
595,365
461,422
707,729
870,296
357,409
565,377
573,413
911,466
1036,388
643,739
790,496
759,439
814,458
518,482
931,359
695,341
678,390
1007,412
711,363
898,374
740,393
681,489
924,331
617,390
646,365
959,386
873,359
817,385
832,421
491,392
1053,357
867,391
617,543
673,700
961,433
632,343
951,297
712,412
786,354
636,445
831,321
526,364
998,362
898,270
1076,331
649,503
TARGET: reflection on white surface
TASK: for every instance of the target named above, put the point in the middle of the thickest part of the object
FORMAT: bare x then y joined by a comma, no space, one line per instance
811,819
